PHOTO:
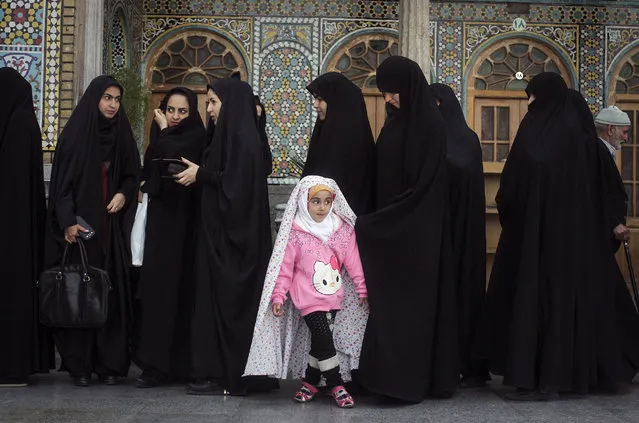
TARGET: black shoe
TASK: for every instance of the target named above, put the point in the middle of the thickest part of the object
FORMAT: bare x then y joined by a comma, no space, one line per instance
470,382
206,387
108,380
528,395
146,381
82,381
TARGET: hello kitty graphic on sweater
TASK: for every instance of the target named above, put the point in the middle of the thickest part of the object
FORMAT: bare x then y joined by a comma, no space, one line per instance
310,270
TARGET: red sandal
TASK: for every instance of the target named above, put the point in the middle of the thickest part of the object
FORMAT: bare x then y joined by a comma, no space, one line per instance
306,393
342,397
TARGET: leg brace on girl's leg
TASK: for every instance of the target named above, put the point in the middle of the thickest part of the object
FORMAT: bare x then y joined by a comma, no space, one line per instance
313,372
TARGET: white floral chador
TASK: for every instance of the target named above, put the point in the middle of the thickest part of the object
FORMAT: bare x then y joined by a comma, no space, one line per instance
281,345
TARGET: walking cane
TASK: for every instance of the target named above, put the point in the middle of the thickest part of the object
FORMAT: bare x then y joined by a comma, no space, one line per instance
633,281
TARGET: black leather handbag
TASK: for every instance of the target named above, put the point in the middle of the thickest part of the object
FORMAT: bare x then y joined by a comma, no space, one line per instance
74,295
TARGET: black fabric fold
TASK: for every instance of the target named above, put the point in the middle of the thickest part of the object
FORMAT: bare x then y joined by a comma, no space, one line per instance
468,219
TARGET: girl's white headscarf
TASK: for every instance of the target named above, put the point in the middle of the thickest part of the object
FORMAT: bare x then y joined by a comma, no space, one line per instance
323,229
281,345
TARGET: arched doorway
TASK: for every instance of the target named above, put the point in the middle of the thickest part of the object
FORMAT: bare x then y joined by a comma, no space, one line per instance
623,91
358,60
496,104
191,59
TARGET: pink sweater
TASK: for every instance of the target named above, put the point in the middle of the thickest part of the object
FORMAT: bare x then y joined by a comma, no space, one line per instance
310,270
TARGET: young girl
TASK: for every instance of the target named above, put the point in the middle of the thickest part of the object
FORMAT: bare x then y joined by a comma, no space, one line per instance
315,242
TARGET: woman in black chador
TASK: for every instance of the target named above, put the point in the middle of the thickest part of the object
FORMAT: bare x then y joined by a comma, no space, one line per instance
342,146
410,347
25,348
551,318
165,288
468,226
95,176
233,241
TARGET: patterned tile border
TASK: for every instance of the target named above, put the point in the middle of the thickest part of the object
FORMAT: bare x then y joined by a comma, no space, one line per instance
51,80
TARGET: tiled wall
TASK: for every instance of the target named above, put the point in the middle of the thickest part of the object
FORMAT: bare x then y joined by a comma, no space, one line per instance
30,41
286,43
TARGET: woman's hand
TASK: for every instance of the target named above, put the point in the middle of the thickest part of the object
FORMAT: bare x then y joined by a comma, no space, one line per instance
277,310
188,176
71,233
117,203
160,119
364,302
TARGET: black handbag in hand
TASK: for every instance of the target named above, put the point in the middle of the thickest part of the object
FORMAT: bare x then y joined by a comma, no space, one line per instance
74,295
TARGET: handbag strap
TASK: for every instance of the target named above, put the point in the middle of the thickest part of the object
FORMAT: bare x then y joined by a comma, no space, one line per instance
63,263
84,262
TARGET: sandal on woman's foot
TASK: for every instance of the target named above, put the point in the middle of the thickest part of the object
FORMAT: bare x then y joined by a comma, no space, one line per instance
342,398
306,393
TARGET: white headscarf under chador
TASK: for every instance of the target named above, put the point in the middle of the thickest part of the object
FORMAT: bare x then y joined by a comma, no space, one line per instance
281,345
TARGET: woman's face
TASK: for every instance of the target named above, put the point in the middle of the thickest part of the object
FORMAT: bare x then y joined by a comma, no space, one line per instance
110,102
213,105
177,109
320,106
259,110
392,99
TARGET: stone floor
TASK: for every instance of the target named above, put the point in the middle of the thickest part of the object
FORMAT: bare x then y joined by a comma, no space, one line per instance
51,398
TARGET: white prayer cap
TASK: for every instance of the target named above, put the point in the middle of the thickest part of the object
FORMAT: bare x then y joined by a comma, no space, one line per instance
613,115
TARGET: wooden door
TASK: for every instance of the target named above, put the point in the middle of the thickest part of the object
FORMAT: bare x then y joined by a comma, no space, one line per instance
496,104
628,163
496,121
376,108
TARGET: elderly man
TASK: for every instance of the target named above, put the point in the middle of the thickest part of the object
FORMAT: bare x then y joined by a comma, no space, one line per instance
613,126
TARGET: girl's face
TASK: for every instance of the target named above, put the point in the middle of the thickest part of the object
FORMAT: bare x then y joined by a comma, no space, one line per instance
110,102
213,105
320,205
177,109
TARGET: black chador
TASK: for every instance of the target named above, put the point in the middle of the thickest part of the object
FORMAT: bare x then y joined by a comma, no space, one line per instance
410,347
233,244
550,321
95,159
468,228
166,279
27,347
